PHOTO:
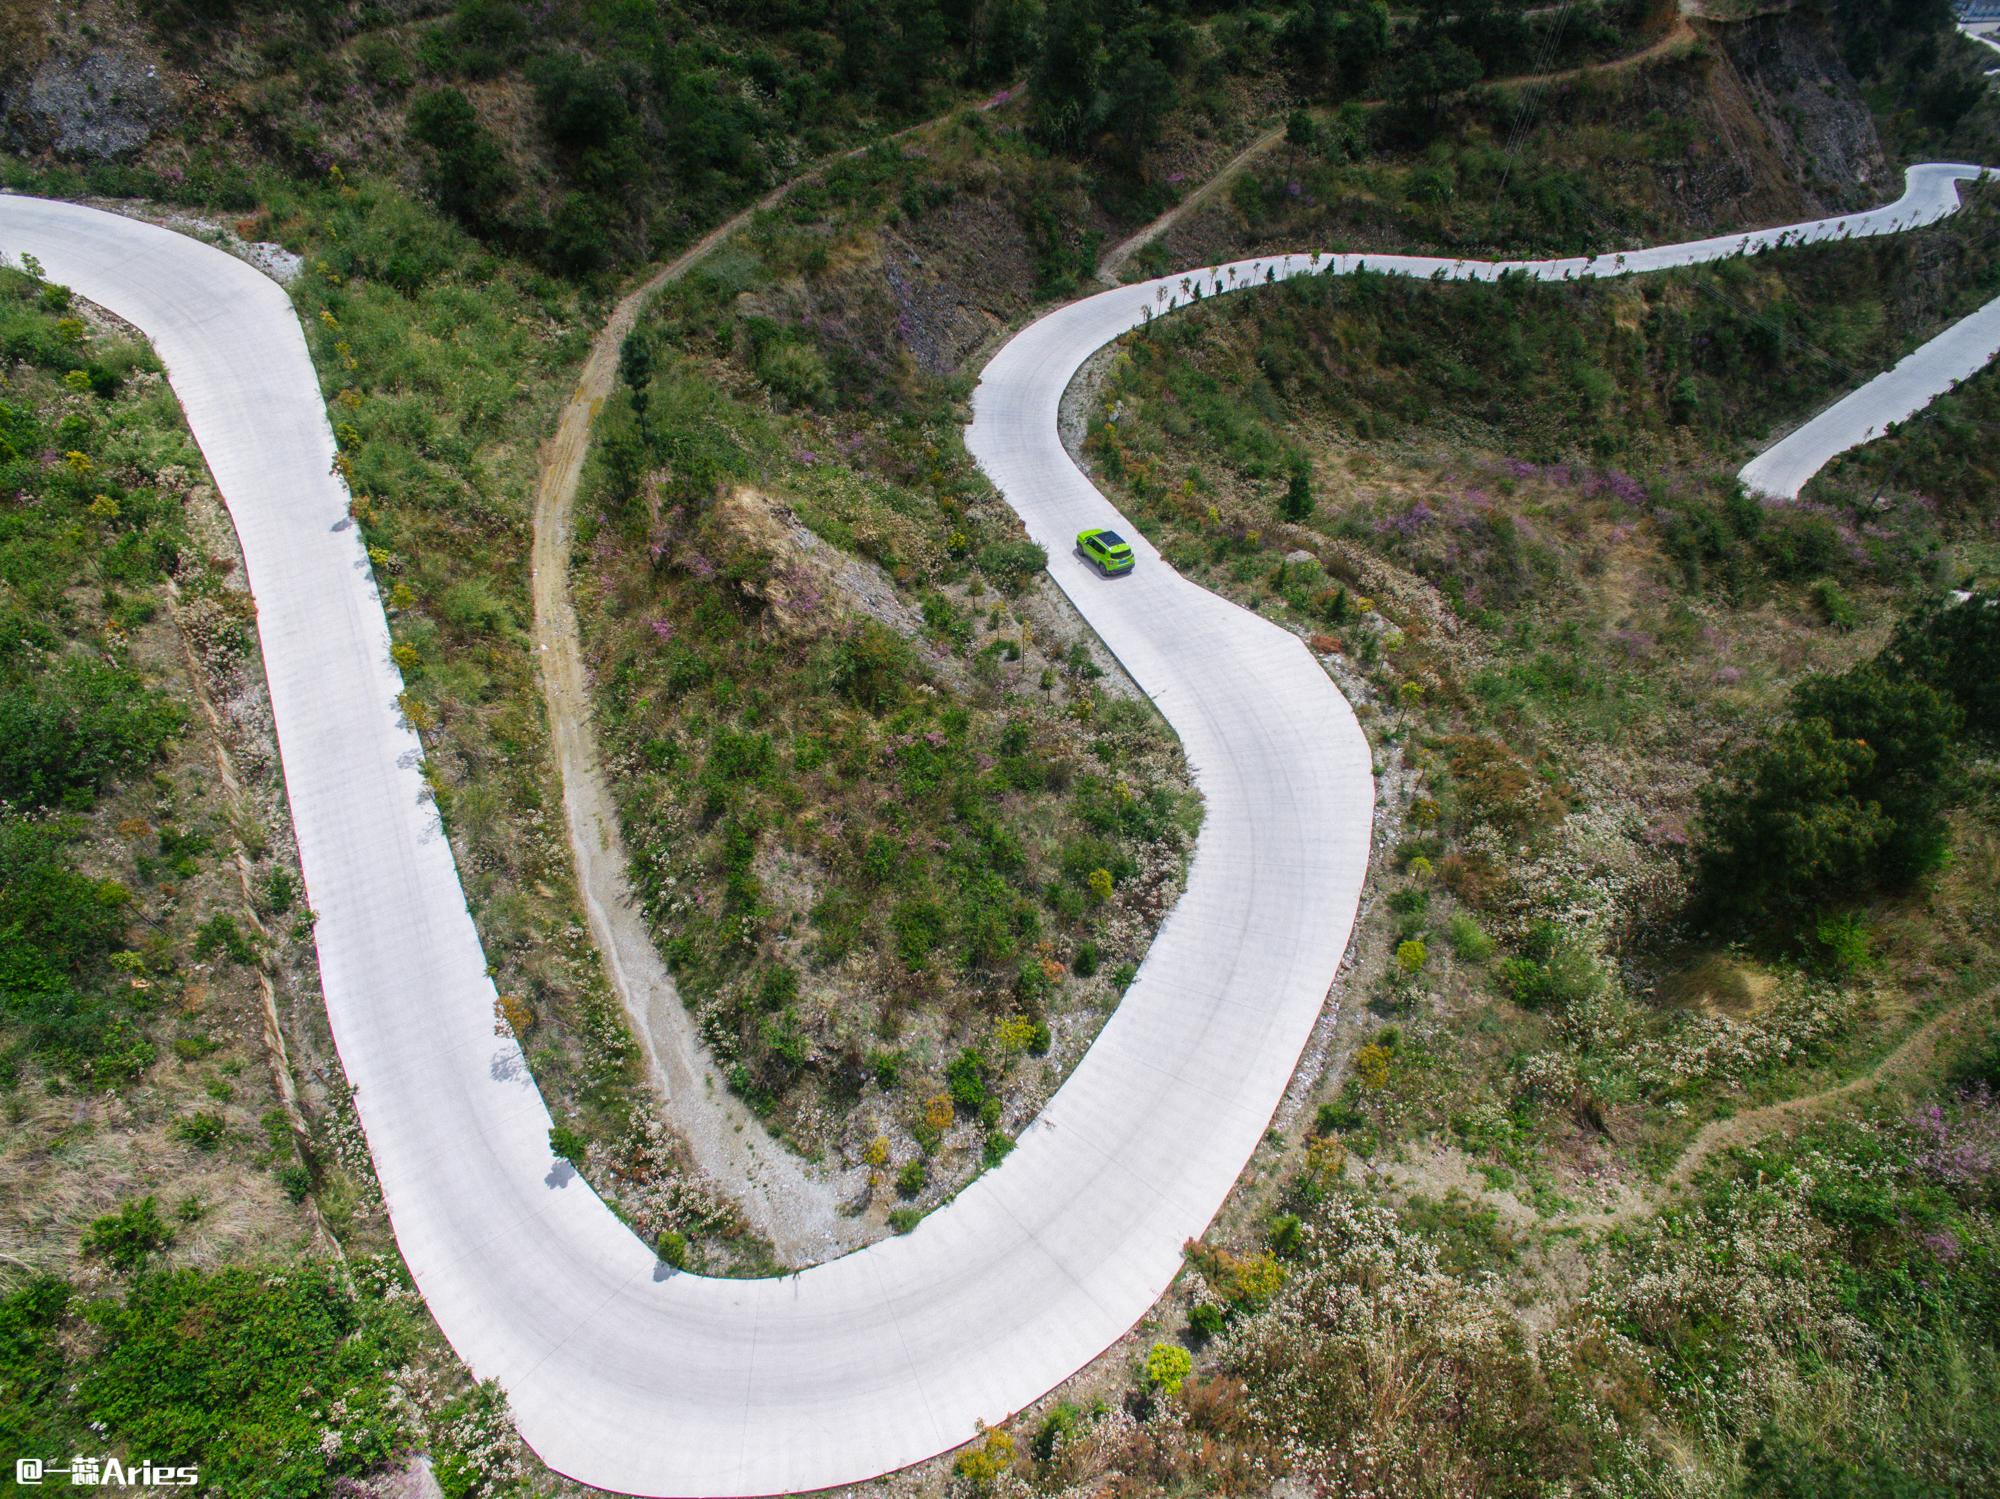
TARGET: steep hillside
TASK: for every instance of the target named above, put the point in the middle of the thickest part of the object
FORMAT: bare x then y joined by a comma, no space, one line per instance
1511,1210
898,825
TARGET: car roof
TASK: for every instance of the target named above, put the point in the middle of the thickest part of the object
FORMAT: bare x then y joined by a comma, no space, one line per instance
1111,538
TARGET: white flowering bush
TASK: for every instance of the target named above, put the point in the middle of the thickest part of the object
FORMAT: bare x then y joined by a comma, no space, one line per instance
1730,1300
1375,1370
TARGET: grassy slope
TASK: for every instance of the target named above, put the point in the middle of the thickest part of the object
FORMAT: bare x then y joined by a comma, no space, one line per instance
837,329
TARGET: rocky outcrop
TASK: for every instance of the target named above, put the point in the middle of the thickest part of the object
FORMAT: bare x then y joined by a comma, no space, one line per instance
1811,110
91,106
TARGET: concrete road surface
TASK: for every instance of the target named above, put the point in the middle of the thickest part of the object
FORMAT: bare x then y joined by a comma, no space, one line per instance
622,1373
1965,348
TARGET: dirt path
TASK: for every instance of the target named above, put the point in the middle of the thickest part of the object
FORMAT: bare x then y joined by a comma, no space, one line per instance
1445,1169
1113,263
794,1206
795,1210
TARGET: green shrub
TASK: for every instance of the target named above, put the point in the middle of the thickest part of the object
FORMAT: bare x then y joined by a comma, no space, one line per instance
1467,939
1058,1427
887,1067
66,732
1010,564
281,891
965,1079
1553,973
1207,1318
1167,1367
567,1143
1298,502
997,1148
469,176
203,1130
672,1248
873,668
911,1179
1844,942
126,1239
1411,901
242,1370
57,929
1833,605
221,934
796,372
35,1331
1287,1234
1336,1118
902,1220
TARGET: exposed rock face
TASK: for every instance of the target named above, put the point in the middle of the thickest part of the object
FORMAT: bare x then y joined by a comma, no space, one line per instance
103,104
1811,110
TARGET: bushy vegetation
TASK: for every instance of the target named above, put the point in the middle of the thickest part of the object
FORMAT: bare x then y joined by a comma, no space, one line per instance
877,822
1849,1270
647,124
271,1379
1847,798
1658,368
77,457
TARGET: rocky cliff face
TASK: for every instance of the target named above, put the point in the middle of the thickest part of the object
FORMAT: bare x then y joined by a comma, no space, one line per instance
1777,127
93,106
1813,122
87,93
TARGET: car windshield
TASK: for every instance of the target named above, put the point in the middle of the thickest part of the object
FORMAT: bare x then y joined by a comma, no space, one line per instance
1110,540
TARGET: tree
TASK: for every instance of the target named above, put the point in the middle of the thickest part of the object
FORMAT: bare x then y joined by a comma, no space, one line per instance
1298,502
1849,796
1003,39
1909,727
1426,80
635,366
1335,44
1955,645
1782,831
469,176
1139,95
1064,86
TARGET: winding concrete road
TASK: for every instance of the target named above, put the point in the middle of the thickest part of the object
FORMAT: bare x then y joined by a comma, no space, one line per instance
1965,348
621,1373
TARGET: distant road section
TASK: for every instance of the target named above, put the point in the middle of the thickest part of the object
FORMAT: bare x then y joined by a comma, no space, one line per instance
1965,348
622,1373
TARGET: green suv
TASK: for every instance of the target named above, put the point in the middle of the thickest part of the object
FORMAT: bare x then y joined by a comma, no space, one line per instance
1107,551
